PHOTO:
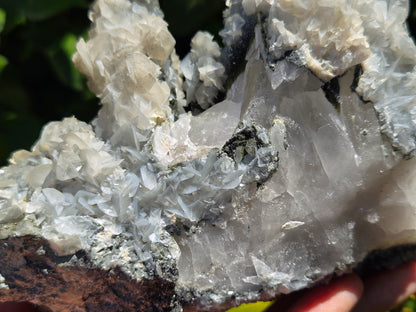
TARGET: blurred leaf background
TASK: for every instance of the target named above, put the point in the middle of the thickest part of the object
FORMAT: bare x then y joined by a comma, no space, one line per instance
38,82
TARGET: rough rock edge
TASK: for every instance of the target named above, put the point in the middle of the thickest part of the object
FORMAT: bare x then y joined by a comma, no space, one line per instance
375,261
34,273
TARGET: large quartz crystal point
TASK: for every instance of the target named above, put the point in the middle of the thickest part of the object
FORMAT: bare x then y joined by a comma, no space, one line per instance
238,173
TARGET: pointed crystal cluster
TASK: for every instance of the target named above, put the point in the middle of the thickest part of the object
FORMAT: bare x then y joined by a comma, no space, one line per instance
300,170
203,72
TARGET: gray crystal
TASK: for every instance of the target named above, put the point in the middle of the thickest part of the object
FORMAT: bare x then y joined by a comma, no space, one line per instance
302,170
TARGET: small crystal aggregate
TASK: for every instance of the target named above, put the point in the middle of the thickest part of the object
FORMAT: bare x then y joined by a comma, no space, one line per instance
302,169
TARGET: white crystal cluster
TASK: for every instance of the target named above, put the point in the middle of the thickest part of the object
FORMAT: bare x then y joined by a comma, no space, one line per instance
389,77
188,137
129,50
273,188
203,72
328,37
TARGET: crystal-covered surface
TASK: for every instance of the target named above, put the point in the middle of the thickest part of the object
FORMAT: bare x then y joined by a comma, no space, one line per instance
296,173
203,72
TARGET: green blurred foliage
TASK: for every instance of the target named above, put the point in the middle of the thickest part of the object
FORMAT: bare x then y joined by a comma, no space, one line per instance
186,17
409,305
38,81
258,306
37,10
2,19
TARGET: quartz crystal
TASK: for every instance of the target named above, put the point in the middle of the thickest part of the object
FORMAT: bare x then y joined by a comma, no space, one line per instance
266,165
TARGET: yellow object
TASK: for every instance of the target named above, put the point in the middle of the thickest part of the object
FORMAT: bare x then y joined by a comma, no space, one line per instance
258,306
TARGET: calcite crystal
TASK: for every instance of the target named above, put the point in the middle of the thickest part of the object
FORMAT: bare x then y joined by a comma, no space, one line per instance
261,167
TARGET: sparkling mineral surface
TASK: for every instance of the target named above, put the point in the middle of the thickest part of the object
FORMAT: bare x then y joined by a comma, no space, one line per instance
264,165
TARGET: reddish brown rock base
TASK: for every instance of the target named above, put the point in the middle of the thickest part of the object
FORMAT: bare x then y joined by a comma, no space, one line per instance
36,278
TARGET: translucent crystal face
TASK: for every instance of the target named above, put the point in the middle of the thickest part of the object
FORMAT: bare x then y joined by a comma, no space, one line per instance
230,175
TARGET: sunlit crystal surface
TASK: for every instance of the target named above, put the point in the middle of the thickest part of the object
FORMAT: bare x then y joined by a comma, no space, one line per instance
267,165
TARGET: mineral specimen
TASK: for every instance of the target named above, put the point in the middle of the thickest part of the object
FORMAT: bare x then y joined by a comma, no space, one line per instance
263,167
35,274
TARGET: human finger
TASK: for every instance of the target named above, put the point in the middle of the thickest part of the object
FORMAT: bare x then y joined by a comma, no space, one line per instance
385,290
340,295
